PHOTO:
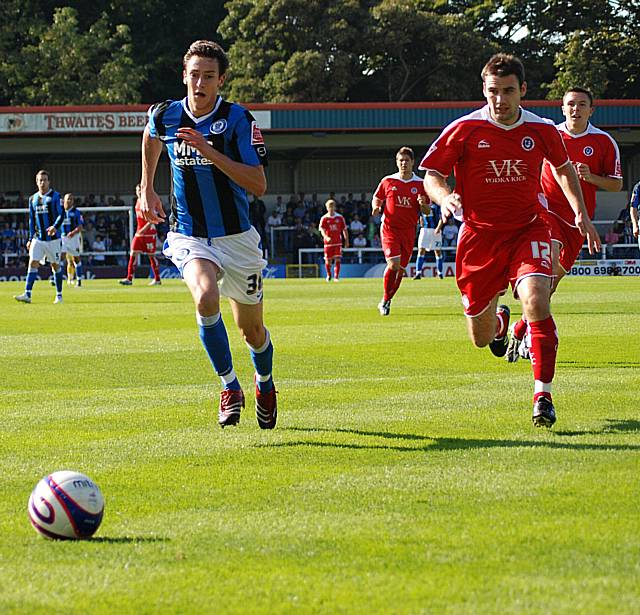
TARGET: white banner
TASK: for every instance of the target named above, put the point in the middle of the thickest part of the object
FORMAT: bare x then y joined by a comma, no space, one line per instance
79,121
624,266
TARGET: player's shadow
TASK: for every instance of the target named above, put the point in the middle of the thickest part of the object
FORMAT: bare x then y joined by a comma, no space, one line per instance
610,426
114,540
432,444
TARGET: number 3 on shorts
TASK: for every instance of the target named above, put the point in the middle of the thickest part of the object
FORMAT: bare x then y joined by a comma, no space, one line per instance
254,284
540,249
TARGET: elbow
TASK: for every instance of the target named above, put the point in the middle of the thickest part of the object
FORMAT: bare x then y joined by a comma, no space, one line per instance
260,188
617,186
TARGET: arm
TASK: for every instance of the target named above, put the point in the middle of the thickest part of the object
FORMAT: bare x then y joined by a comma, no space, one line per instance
345,234
570,184
376,206
610,184
150,204
251,178
55,227
438,190
76,230
634,220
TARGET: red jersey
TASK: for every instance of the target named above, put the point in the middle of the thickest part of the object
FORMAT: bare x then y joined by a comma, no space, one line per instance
401,208
333,228
593,147
497,167
140,223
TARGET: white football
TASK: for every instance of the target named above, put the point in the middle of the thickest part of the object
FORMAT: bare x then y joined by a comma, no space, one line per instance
66,505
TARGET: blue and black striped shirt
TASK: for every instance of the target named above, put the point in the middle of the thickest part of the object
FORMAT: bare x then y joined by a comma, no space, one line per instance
72,220
204,201
45,210
431,219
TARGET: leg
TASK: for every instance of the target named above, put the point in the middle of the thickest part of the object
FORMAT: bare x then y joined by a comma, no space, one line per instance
153,261
327,266
131,268
419,263
558,271
534,293
57,276
439,263
71,267
32,274
390,284
79,273
249,319
337,261
483,328
201,276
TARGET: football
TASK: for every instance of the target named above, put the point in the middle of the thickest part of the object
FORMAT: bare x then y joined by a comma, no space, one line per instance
66,505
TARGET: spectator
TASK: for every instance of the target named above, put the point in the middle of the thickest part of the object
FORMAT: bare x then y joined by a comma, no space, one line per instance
360,241
356,227
450,233
99,246
274,219
280,207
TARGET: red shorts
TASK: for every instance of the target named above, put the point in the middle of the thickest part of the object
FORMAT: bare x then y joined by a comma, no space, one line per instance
569,238
488,261
333,251
145,243
398,243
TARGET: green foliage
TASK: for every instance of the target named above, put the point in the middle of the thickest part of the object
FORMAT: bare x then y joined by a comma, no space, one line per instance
579,64
404,475
62,65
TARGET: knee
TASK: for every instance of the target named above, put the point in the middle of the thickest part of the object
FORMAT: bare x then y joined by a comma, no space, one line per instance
536,306
207,301
254,334
394,266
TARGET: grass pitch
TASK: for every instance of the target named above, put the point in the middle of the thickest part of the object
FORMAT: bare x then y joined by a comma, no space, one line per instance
404,475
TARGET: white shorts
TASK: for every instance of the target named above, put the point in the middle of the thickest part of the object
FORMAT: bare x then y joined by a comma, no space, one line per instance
45,250
71,245
428,240
239,258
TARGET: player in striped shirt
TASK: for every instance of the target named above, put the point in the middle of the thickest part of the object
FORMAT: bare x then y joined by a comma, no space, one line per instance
71,239
633,211
45,219
217,155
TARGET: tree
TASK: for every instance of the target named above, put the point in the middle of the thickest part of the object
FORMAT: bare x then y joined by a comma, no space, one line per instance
294,50
65,66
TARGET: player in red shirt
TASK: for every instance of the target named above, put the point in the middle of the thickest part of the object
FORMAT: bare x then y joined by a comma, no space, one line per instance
400,197
496,153
596,158
333,229
144,242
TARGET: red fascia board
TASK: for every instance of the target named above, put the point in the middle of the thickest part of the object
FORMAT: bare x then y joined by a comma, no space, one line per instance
457,104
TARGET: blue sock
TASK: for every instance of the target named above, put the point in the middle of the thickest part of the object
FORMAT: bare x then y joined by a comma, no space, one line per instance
262,359
440,264
58,278
213,335
419,263
32,274
78,271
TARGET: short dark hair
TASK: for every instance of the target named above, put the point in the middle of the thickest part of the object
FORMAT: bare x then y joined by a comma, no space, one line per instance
43,172
207,49
406,151
580,90
503,65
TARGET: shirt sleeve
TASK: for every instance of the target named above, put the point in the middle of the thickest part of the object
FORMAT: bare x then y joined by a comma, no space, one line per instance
381,190
60,209
445,151
154,121
635,196
612,165
250,142
556,152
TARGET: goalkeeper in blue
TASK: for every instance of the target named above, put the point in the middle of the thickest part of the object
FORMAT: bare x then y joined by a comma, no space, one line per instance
45,219
217,155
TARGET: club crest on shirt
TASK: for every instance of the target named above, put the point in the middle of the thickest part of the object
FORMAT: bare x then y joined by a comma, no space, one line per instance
256,134
218,127
414,190
528,143
588,150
